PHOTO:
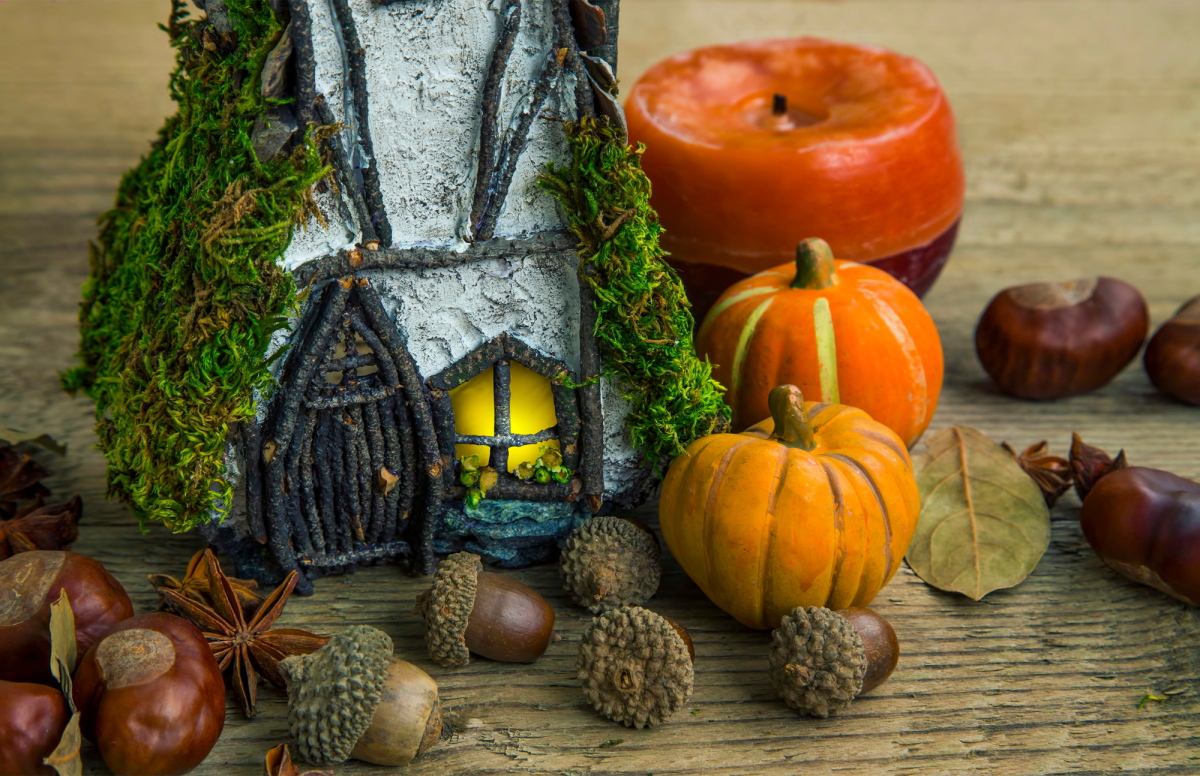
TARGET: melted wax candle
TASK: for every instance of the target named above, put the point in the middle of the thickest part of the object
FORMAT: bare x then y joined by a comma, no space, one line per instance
752,147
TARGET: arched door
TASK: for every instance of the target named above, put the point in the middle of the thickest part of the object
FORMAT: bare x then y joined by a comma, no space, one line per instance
349,446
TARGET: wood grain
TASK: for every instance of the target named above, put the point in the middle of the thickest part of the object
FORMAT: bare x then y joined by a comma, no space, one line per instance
1078,120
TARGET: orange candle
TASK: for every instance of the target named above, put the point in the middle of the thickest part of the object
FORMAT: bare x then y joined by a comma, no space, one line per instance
752,147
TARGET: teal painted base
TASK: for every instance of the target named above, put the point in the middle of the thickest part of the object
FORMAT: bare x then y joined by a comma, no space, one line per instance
508,534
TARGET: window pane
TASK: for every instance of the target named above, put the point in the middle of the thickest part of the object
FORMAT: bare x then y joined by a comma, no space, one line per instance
474,405
531,410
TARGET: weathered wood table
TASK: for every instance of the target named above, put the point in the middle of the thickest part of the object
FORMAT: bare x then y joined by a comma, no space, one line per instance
1079,124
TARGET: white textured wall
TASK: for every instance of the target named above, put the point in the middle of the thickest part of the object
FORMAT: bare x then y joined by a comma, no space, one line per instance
426,63
313,241
447,313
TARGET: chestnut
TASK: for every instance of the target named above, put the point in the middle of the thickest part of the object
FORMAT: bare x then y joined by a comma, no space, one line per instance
469,610
1048,341
822,660
1145,524
151,696
32,720
1173,356
29,583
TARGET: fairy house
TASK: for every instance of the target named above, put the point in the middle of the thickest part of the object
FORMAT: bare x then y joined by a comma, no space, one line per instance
438,326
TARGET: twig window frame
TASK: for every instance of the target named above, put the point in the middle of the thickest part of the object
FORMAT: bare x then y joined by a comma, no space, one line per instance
498,354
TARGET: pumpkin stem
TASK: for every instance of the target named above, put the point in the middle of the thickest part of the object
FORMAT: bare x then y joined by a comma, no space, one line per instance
814,265
792,426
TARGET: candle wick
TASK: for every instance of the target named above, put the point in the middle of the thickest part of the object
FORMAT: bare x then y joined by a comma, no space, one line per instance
779,105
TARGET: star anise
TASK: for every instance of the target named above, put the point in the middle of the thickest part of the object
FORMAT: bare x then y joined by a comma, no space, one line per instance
1052,473
197,586
20,481
279,763
41,527
1089,464
251,647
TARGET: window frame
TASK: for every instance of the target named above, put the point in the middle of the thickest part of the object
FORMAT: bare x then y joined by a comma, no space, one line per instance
499,353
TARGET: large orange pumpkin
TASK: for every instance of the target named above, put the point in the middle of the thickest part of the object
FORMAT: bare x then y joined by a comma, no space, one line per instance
813,507
785,324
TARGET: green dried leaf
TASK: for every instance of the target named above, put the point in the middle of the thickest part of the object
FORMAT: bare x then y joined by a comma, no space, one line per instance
62,644
65,757
984,524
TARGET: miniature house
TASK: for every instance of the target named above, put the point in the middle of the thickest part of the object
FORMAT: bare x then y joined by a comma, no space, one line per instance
443,316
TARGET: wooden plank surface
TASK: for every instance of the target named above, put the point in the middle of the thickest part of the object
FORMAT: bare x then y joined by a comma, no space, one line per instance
1080,124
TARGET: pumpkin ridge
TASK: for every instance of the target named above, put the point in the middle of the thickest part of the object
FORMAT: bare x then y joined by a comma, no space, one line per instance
768,533
718,482
887,518
839,522
908,347
889,443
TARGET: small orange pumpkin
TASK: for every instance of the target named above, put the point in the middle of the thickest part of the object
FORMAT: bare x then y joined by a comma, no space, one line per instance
793,511
785,325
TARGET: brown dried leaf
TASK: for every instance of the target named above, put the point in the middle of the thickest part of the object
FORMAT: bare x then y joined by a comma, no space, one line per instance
984,523
65,758
279,763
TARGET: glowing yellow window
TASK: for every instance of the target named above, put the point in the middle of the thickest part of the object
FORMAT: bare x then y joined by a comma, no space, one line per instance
531,409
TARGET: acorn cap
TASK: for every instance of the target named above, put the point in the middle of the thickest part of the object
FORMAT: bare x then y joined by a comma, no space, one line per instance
817,661
635,667
332,693
447,605
609,562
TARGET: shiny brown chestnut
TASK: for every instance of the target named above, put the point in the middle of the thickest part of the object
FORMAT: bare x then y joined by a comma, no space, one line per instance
32,720
151,696
1173,356
880,643
29,583
1048,341
1145,523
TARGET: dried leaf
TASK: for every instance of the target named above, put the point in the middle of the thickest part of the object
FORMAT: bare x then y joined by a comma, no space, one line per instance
278,762
984,523
65,757
41,527
45,441
62,644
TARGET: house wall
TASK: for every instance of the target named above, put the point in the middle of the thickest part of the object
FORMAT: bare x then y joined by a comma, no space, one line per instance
425,65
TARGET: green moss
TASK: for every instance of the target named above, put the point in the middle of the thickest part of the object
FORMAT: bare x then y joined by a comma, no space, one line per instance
185,290
644,321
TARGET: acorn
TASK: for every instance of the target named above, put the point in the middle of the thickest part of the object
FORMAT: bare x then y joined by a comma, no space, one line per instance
609,562
151,696
636,666
29,583
1173,356
352,698
470,610
32,720
822,660
1048,341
